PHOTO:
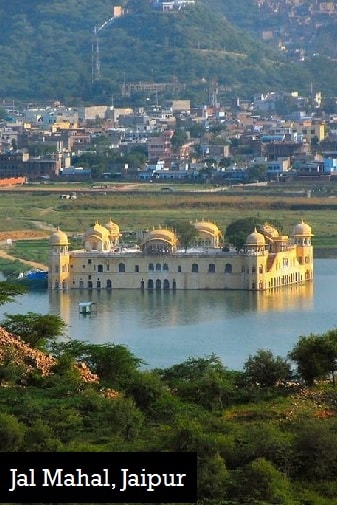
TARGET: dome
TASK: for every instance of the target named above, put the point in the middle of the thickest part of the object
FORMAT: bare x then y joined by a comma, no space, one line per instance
302,229
113,228
167,236
207,227
255,239
58,238
97,231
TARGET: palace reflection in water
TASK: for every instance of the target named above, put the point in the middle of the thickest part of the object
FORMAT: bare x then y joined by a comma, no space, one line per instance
165,328
162,308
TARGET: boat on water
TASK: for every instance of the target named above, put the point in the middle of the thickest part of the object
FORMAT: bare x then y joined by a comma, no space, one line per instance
34,279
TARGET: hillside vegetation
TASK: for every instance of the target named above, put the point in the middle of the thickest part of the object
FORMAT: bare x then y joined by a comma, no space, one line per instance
46,51
260,439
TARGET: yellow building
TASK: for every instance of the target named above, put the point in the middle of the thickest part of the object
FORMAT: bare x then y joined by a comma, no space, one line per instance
268,260
310,130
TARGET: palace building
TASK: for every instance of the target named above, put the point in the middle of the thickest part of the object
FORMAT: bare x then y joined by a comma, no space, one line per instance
268,260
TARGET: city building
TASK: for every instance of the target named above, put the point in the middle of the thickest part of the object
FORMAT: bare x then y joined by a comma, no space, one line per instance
268,260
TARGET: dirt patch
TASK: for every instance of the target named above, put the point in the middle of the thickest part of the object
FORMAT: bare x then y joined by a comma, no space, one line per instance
23,235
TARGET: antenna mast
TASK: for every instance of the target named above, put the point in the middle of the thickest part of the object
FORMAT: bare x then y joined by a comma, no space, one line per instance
95,50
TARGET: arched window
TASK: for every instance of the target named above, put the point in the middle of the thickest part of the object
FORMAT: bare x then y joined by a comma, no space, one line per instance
98,285
100,268
151,267
158,267
108,284
121,267
150,284
158,284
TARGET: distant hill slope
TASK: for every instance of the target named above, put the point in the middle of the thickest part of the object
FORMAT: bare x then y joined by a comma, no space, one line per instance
46,51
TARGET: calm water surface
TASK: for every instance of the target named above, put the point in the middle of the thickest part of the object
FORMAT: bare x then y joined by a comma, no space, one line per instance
166,328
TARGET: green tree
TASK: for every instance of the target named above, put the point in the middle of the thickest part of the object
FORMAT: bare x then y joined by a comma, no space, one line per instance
257,173
261,439
39,437
11,433
178,139
35,329
315,446
136,157
41,149
125,418
204,381
146,388
315,357
186,232
9,291
261,483
196,130
115,364
10,372
266,370
238,231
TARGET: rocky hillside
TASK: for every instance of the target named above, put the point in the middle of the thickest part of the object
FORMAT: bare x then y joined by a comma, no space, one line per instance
13,349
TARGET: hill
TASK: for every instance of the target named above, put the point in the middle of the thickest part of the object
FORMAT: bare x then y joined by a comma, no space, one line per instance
48,51
14,351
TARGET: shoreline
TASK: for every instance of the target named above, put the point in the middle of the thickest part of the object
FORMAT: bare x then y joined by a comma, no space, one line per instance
325,252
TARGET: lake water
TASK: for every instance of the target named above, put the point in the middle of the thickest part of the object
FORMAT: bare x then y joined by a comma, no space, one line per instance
165,328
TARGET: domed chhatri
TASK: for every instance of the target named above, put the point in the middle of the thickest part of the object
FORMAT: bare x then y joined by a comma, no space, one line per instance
302,229
97,238
162,234
113,228
256,239
114,232
97,230
160,262
208,233
58,238
159,241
